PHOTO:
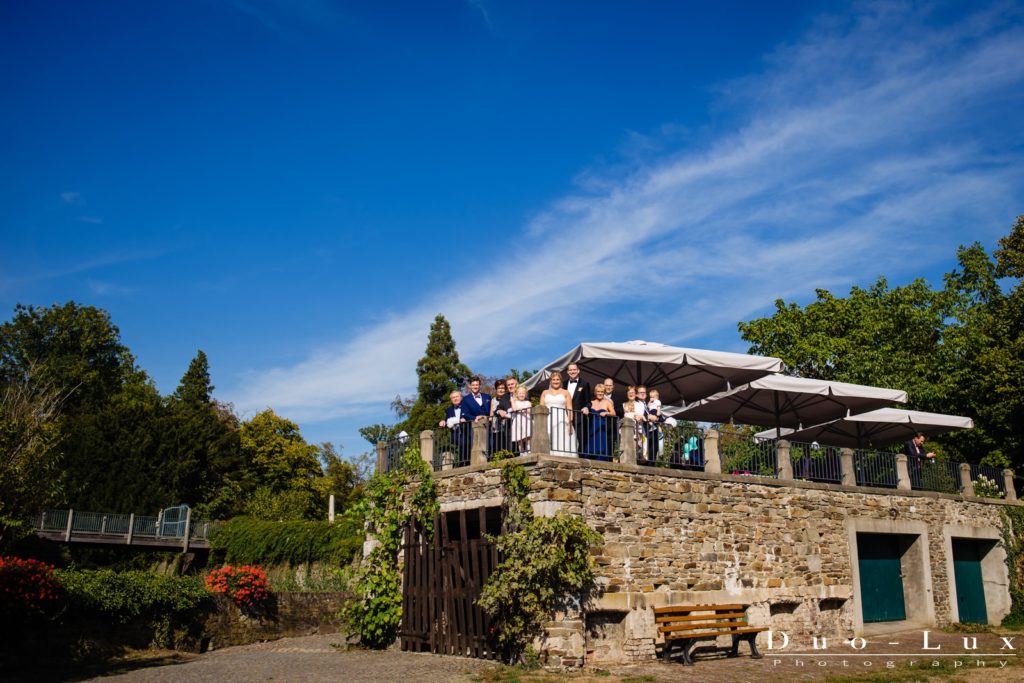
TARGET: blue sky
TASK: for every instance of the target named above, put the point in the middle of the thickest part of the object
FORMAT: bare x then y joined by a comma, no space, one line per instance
297,188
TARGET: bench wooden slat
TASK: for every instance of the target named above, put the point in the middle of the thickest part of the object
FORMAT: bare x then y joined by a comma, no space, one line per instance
727,632
674,609
700,617
719,625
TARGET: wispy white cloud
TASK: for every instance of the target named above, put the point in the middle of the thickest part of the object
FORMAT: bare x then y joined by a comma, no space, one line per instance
481,7
859,150
89,219
70,197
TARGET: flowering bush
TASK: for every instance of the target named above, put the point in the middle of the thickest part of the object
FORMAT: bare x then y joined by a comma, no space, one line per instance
245,585
27,587
987,488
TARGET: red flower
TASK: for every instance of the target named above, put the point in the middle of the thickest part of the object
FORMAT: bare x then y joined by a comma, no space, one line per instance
246,586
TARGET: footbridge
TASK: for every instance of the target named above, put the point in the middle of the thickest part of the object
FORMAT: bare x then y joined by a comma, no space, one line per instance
171,529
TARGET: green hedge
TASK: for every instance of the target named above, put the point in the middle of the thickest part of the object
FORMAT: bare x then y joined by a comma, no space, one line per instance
244,540
123,596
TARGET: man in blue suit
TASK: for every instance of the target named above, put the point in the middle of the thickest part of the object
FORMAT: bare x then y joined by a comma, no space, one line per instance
476,406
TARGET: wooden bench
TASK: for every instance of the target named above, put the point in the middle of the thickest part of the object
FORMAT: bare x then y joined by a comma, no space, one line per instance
683,625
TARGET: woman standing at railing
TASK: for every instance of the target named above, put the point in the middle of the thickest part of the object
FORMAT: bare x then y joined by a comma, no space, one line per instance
558,400
601,411
500,406
521,422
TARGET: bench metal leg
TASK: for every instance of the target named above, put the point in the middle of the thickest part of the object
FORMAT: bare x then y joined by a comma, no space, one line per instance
749,637
686,644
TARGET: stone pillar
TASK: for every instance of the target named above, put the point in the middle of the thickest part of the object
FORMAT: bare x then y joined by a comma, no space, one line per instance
427,447
784,462
540,440
1011,492
902,473
330,508
478,454
966,485
849,475
382,456
712,462
627,441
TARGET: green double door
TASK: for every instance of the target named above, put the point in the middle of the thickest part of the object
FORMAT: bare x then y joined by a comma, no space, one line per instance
881,579
970,587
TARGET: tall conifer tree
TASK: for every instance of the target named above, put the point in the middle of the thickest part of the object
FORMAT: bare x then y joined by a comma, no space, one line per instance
440,371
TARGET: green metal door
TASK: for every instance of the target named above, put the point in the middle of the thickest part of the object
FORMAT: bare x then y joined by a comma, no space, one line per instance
881,581
970,588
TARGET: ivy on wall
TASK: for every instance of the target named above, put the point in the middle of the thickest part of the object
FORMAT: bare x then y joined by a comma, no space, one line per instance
1013,544
546,561
376,612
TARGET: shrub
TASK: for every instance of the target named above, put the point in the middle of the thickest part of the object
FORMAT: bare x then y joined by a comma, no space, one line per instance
27,587
987,488
123,596
246,585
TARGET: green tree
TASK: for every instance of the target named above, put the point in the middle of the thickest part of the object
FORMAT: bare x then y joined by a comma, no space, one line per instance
280,468
199,447
440,372
29,453
958,349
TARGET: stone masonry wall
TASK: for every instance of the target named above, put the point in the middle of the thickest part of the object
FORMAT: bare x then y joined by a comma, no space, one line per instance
674,537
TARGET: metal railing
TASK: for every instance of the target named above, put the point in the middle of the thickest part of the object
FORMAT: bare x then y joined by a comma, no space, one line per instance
586,435
942,476
741,454
452,446
875,468
989,482
680,447
169,524
394,450
814,462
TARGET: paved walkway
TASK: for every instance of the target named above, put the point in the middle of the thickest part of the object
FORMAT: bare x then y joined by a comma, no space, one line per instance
317,658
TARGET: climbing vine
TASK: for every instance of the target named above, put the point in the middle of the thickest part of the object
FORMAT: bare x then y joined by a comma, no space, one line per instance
376,611
546,562
1013,544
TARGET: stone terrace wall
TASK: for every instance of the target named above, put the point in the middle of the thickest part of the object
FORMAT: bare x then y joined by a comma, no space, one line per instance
676,537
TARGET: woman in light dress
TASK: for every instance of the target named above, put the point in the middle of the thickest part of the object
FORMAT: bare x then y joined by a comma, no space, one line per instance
521,422
559,402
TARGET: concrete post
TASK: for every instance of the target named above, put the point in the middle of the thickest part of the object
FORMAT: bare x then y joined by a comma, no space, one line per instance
785,464
427,447
902,473
382,457
966,484
712,461
848,474
478,454
188,530
131,527
67,530
159,524
627,441
540,441
1011,492
330,509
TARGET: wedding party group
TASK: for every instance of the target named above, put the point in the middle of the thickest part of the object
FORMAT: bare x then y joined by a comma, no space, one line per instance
583,420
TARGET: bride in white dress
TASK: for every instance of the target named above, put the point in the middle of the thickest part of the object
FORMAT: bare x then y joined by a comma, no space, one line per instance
558,400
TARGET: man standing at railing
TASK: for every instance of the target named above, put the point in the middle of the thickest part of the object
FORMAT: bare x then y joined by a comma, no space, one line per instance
579,390
476,406
455,420
914,450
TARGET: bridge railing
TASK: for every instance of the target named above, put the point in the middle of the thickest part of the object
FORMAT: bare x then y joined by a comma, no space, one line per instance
116,524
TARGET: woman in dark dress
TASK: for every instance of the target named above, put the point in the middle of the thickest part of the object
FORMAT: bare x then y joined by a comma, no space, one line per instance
601,412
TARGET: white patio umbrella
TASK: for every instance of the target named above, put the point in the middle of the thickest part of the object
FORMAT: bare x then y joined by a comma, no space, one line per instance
790,402
876,427
679,374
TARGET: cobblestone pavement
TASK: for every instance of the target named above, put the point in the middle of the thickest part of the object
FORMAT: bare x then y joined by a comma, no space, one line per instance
315,658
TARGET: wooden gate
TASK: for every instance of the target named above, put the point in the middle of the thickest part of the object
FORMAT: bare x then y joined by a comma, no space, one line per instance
442,579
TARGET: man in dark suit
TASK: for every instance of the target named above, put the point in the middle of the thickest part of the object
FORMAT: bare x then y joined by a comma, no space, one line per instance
914,450
461,430
579,389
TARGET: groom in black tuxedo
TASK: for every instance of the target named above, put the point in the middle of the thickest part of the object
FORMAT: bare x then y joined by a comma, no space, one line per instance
579,389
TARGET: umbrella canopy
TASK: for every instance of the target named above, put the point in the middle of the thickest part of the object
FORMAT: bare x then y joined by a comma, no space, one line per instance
877,427
681,375
790,402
